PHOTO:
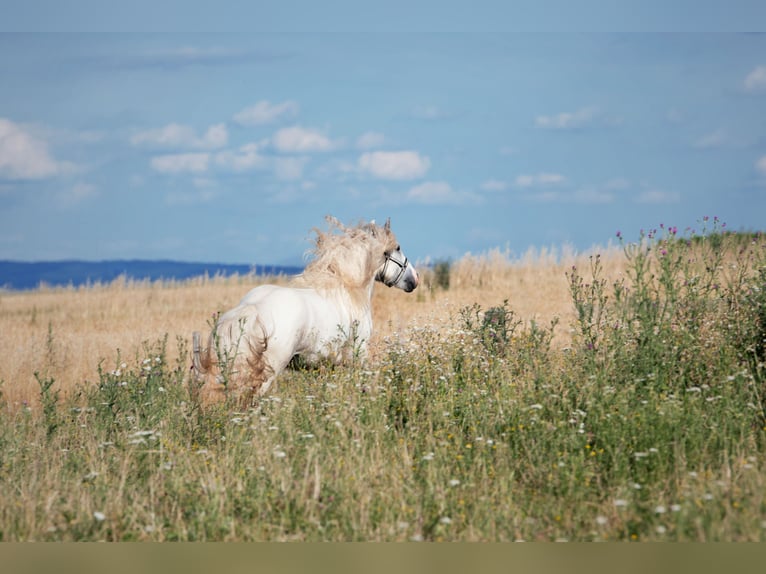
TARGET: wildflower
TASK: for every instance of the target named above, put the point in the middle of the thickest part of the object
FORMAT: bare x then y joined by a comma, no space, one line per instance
454,482
99,516
619,234
429,456
445,520
280,454
620,503
602,520
660,509
675,508
661,529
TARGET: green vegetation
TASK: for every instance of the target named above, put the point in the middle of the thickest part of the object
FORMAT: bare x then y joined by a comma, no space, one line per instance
650,426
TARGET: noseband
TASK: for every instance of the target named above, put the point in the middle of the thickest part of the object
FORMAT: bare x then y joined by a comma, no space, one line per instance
402,266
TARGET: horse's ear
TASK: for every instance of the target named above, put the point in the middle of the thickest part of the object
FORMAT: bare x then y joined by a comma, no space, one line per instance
387,226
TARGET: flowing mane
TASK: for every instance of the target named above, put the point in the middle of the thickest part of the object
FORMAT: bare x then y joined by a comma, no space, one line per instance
346,257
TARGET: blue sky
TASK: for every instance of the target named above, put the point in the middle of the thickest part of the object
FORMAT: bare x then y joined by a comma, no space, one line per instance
231,147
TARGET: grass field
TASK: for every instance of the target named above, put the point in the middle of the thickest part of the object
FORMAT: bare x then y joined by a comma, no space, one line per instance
616,396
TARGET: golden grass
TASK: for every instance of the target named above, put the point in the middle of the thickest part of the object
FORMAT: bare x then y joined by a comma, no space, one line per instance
66,332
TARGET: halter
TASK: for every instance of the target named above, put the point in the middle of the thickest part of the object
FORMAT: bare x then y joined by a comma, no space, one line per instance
402,267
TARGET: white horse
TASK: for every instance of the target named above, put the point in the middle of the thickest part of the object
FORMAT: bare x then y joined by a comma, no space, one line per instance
325,313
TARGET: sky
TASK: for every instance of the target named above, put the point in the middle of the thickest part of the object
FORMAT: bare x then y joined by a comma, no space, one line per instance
231,147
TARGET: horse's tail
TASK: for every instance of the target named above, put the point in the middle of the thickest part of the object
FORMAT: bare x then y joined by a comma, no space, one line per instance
245,368
198,370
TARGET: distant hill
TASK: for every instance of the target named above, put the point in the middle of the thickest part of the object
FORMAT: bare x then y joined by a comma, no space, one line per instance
29,275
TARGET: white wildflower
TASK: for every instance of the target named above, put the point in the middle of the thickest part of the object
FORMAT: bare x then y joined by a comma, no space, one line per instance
99,516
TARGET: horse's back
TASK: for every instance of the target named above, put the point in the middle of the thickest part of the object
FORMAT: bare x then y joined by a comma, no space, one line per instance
257,293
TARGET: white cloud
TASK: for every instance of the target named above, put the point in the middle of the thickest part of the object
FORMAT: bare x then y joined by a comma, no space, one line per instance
439,192
760,165
567,120
755,82
289,168
507,150
25,156
264,112
181,163
296,139
247,157
588,194
180,136
675,116
369,140
79,192
494,185
658,196
593,195
398,165
202,194
539,180
712,140
429,112
617,184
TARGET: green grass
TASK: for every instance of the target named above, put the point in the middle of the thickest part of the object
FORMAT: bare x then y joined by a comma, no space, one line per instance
649,427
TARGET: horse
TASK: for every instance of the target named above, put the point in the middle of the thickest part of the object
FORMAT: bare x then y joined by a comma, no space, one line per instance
322,314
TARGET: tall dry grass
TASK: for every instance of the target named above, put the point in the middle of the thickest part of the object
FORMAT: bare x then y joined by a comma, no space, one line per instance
644,420
66,332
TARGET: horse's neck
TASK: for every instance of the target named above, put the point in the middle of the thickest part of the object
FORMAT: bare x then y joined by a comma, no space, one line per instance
357,300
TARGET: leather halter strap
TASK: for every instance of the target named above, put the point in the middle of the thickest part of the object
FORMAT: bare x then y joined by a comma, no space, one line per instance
402,268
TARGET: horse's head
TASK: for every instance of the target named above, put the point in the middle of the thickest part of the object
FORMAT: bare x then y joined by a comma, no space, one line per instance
353,256
396,270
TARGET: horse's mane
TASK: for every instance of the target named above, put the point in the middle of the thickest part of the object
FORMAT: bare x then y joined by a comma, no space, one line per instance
346,257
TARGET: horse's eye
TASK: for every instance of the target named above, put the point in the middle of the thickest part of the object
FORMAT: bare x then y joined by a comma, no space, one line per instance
398,248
